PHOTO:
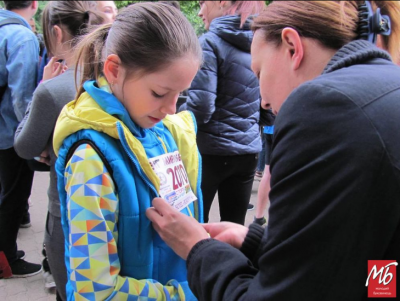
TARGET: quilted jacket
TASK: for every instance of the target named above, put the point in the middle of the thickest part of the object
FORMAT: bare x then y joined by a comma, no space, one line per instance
224,95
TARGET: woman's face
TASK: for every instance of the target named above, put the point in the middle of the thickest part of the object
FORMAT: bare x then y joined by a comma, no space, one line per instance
149,98
109,10
209,10
270,66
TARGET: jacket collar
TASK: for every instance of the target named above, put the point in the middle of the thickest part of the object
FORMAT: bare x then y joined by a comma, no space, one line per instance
110,104
353,53
6,14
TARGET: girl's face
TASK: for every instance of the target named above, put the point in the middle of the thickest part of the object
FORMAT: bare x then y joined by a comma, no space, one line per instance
151,97
109,10
269,64
209,10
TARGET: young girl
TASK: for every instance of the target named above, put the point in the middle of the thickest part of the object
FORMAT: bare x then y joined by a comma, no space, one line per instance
119,146
63,23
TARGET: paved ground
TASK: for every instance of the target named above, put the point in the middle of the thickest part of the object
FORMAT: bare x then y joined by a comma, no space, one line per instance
30,240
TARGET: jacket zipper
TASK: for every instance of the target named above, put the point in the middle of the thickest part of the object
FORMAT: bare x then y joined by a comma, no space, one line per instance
128,152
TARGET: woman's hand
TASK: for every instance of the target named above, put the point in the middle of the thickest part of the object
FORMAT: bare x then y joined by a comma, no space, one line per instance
53,69
230,233
179,231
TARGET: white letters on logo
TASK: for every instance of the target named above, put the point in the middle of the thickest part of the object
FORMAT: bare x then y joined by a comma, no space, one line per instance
380,273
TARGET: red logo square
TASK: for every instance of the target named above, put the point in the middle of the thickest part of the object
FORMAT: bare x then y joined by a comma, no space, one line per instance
381,279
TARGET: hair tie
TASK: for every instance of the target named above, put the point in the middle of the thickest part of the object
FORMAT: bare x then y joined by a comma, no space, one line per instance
86,15
371,24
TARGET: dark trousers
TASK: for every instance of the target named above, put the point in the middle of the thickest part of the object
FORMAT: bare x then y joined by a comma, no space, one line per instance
16,183
232,177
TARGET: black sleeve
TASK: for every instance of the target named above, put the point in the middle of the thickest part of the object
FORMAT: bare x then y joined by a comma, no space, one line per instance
311,249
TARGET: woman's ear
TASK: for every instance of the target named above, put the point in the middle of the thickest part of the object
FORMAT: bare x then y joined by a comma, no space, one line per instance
292,42
112,68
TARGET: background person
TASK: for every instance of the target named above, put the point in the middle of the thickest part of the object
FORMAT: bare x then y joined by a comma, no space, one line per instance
109,9
224,97
63,23
335,172
19,57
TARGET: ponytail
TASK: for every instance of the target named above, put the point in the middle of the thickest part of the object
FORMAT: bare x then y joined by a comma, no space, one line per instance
89,58
391,42
245,9
75,18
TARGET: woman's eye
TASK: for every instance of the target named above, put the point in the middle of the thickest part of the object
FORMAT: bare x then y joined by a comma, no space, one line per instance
156,95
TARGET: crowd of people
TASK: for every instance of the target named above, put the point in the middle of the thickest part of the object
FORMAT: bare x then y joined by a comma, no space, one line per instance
303,95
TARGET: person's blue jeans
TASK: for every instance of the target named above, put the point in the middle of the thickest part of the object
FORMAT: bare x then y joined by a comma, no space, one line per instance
15,188
261,156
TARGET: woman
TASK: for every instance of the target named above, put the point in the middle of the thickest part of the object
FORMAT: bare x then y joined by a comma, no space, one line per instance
224,97
63,23
335,165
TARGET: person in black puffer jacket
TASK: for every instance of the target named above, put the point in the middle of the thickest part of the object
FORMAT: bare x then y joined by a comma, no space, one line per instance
224,97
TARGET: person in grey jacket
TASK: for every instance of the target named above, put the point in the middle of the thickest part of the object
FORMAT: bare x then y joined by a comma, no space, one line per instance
224,97
62,22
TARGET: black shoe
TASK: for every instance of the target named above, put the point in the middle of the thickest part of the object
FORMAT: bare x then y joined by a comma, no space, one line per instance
21,268
26,221
250,207
20,254
260,221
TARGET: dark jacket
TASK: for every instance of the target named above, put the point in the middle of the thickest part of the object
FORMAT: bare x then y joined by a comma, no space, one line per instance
224,96
335,197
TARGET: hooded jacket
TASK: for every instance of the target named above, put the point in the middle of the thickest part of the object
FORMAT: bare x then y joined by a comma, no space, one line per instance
138,262
224,95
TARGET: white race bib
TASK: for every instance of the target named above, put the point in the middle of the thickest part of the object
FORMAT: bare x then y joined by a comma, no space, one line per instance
174,182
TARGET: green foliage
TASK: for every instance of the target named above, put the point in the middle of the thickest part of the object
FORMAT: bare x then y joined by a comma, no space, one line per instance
38,16
188,8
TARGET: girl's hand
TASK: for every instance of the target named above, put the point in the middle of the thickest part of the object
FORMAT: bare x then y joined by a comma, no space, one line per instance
53,69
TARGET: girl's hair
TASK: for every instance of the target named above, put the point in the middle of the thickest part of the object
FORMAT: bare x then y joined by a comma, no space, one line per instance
147,37
245,8
332,23
73,17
